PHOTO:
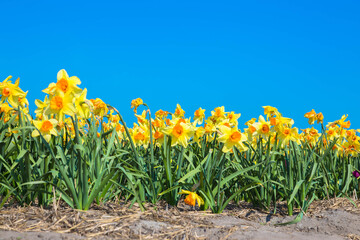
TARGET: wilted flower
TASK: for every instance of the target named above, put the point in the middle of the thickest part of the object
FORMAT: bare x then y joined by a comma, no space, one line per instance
192,198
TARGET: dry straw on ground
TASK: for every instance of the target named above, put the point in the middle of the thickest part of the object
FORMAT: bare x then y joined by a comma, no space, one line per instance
331,218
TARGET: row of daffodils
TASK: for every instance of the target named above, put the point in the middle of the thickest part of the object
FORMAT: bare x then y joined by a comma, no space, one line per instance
161,156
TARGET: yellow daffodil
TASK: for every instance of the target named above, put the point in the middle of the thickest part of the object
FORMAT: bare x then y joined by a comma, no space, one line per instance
332,133
319,118
140,135
310,135
311,116
351,136
5,110
136,103
210,130
100,108
64,85
270,111
83,106
279,122
231,137
61,105
341,123
12,93
46,128
41,106
192,198
179,112
233,118
198,134
114,118
352,148
262,127
161,114
141,118
180,133
250,122
287,134
199,116
218,114
159,138
158,123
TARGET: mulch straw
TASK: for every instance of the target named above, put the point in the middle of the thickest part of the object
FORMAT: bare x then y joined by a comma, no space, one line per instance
111,219
117,220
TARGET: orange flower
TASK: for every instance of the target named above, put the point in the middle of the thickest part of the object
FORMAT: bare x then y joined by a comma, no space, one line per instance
192,198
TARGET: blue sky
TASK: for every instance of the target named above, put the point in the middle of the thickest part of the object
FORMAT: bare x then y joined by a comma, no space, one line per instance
243,55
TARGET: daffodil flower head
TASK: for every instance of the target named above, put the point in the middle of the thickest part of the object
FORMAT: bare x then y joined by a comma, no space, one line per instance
262,127
287,134
231,136
161,114
192,198
198,134
100,108
12,93
83,106
141,118
233,118
199,115
320,118
5,108
311,116
270,111
351,148
218,114
136,103
180,133
159,138
46,128
141,135
250,122
179,112
61,105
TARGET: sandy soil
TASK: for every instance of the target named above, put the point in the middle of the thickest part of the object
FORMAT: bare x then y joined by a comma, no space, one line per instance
331,219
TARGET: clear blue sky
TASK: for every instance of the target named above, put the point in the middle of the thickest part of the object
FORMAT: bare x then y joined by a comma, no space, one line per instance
243,55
